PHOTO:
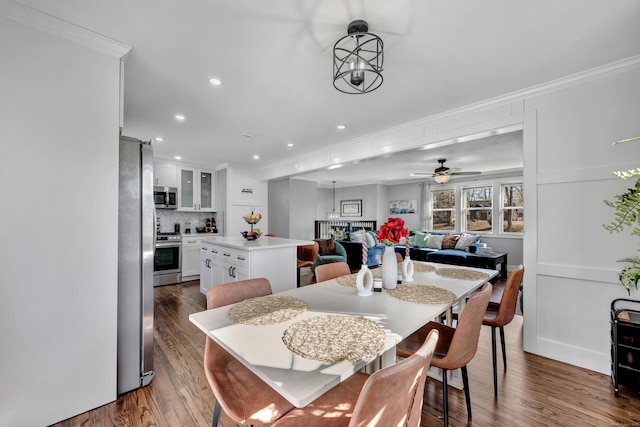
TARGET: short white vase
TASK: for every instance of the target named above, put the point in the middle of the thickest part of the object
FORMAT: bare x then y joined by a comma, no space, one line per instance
407,269
389,268
364,282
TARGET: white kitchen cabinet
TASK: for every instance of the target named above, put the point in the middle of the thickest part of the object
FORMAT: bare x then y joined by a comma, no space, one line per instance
209,268
190,257
165,175
195,189
234,265
236,259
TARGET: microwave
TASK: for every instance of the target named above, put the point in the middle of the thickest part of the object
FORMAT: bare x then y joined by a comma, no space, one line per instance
165,197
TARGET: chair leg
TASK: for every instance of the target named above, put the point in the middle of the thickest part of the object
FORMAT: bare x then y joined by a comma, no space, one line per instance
495,360
298,276
504,353
216,415
445,398
467,394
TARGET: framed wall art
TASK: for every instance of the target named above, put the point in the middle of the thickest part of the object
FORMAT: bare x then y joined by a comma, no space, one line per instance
351,207
403,207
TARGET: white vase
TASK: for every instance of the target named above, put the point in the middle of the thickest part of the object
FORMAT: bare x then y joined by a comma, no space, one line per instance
364,282
407,269
389,268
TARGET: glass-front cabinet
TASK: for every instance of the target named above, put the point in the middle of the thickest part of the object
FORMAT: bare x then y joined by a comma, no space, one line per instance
196,190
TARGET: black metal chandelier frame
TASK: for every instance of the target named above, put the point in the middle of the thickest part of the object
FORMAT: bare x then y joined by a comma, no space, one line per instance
358,60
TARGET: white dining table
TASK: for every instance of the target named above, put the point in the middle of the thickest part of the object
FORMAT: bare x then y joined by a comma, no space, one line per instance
301,380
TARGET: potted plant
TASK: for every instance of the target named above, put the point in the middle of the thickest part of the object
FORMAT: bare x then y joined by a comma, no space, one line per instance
627,214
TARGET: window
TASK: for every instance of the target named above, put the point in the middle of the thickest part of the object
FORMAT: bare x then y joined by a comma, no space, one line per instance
512,208
477,206
444,210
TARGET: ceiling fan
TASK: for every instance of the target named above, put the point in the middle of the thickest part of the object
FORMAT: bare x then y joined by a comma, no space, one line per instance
443,174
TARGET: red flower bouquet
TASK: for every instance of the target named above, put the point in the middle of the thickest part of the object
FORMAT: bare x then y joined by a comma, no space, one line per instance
392,231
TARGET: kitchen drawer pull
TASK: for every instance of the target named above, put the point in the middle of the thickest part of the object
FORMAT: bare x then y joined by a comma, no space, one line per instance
226,254
241,258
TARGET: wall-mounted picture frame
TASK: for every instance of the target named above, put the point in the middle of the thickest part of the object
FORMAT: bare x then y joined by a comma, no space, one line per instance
351,207
399,207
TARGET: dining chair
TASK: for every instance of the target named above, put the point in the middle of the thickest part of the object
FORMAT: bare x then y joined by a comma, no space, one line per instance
391,396
456,346
399,257
307,255
331,271
244,397
501,317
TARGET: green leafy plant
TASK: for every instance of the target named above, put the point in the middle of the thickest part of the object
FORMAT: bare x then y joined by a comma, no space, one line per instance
627,214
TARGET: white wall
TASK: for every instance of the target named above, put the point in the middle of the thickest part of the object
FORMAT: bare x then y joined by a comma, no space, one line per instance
241,203
59,118
279,201
571,274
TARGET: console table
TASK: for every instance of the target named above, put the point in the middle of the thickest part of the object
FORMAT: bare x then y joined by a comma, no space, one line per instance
489,261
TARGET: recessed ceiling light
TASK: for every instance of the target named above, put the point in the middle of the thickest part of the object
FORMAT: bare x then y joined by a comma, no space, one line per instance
341,127
159,139
178,158
256,157
216,82
289,145
180,117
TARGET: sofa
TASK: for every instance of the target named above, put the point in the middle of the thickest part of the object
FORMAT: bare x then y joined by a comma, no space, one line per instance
451,248
353,248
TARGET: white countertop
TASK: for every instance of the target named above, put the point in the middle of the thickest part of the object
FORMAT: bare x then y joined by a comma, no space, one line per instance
262,243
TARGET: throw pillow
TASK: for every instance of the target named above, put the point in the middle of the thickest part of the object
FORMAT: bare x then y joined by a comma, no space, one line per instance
467,240
435,241
420,239
356,236
449,241
326,247
374,239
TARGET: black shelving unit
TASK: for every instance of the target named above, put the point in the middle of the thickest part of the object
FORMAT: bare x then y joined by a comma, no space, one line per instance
625,343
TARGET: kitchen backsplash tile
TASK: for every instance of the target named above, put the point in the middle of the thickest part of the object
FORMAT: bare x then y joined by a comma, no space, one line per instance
169,217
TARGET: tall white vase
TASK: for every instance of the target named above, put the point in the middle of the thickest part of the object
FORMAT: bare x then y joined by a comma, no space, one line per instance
389,268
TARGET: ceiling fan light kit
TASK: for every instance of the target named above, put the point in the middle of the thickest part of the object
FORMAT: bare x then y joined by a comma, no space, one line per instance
442,174
442,179
357,60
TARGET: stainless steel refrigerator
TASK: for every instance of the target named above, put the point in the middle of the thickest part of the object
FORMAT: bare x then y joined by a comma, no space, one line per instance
136,244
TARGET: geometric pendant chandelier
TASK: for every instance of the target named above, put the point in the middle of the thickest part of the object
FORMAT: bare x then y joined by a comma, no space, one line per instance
357,60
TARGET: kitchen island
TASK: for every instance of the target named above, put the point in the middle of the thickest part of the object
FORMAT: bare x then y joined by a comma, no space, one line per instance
226,259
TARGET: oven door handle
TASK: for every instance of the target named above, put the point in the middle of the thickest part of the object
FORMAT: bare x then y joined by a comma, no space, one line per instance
168,245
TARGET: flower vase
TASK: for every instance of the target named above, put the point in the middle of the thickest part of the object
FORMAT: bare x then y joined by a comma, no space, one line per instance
364,282
407,270
389,268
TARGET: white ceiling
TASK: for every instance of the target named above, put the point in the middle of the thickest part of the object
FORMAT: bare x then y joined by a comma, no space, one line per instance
275,61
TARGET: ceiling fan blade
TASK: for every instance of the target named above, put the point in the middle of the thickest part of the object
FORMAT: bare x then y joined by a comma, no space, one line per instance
466,173
422,173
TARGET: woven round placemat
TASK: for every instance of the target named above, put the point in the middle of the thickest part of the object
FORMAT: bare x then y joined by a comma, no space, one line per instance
348,280
461,273
267,310
422,294
425,268
334,338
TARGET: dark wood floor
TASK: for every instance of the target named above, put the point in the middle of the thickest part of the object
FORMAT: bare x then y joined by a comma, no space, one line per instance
535,391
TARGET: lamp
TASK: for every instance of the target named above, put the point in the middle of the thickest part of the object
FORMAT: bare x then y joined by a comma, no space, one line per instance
357,60
442,178
332,216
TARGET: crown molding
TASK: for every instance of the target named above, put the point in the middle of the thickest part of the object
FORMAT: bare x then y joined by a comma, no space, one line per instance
52,25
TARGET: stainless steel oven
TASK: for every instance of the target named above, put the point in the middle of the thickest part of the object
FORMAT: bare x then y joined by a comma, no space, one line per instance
167,261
